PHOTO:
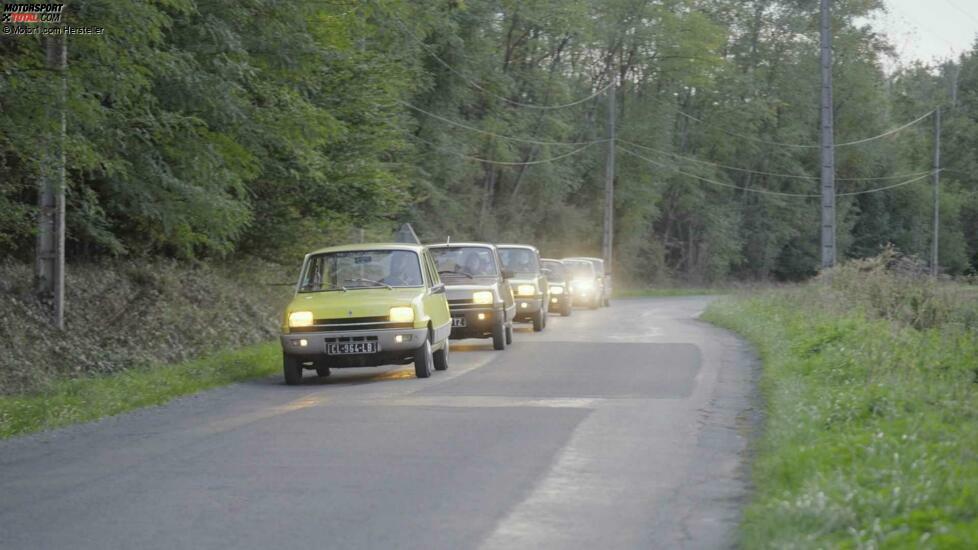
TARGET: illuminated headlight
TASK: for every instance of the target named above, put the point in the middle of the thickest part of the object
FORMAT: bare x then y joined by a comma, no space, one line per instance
300,319
584,284
556,290
402,315
482,297
526,290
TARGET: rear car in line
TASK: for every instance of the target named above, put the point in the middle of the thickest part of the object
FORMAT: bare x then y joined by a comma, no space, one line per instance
603,278
366,305
479,297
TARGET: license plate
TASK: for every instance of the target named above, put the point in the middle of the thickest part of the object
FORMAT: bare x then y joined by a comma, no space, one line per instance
458,322
351,348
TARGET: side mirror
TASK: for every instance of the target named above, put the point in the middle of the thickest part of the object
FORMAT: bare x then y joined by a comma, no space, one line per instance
546,271
507,274
438,289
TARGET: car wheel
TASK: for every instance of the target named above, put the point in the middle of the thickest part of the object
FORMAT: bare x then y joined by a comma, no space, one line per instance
509,334
593,304
607,302
538,321
498,336
566,310
423,360
323,372
441,357
292,369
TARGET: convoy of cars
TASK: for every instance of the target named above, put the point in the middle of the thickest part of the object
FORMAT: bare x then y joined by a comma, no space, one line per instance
367,305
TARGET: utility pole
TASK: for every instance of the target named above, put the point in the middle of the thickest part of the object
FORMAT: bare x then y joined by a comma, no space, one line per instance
936,233
609,182
49,269
828,143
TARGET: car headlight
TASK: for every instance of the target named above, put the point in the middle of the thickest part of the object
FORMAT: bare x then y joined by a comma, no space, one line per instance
482,297
584,284
556,290
300,319
402,314
526,290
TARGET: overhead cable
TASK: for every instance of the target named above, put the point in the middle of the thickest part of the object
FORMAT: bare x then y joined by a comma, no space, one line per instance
500,162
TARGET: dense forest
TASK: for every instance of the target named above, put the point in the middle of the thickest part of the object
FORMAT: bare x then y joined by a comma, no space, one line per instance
213,129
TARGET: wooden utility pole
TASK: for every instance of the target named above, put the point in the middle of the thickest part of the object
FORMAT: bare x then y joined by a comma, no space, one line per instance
609,182
936,233
49,270
828,143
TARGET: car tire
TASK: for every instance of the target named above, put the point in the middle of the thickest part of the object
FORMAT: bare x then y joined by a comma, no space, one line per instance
509,334
292,369
423,360
322,372
566,310
441,357
538,321
607,302
594,303
498,336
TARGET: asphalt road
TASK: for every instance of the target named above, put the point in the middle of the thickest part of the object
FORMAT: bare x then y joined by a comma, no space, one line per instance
617,428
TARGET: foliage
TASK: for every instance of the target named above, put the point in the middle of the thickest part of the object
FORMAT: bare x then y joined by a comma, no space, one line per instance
871,436
219,128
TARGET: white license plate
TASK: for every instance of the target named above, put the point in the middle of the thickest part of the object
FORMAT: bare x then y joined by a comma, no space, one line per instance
458,322
352,348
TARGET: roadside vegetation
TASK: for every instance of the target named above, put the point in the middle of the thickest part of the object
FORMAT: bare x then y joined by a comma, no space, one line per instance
870,385
128,315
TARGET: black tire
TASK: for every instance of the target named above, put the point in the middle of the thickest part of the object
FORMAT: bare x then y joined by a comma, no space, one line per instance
538,321
498,336
509,334
323,372
593,304
566,310
441,357
292,369
423,360
607,302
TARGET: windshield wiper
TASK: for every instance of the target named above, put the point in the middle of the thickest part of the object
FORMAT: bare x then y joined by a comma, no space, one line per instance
371,281
466,273
321,288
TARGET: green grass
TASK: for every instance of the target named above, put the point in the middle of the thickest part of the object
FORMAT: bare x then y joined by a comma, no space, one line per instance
84,399
871,426
668,292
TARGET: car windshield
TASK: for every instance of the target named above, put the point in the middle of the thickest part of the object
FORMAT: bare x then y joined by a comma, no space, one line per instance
557,272
361,269
465,261
580,269
521,261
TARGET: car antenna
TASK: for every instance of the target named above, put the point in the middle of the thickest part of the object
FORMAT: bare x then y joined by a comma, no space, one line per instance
449,241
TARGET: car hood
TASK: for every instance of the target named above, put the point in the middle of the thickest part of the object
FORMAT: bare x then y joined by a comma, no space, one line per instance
367,302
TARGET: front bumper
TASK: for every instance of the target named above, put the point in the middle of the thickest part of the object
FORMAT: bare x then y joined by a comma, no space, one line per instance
527,307
474,326
560,301
392,349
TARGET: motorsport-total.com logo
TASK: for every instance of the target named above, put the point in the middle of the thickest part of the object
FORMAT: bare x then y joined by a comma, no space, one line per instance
32,13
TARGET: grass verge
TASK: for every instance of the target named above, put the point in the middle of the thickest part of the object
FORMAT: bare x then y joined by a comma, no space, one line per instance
871,430
84,399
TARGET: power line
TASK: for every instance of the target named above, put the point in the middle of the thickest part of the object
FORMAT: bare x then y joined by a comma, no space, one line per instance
500,162
761,172
481,88
802,145
962,10
493,134
767,191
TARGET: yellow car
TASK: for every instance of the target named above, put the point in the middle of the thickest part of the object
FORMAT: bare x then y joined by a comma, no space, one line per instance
528,282
366,305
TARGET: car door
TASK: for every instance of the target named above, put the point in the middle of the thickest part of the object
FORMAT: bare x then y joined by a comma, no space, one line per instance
509,302
435,299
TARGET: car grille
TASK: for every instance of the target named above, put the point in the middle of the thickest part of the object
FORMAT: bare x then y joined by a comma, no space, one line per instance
460,301
352,323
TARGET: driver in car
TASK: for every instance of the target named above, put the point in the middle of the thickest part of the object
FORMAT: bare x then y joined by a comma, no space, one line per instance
404,271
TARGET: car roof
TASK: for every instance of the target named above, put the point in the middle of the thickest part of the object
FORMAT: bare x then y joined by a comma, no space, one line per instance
551,260
367,247
473,245
527,246
589,258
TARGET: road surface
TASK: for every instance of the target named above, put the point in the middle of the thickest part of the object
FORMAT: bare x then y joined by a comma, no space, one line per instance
617,428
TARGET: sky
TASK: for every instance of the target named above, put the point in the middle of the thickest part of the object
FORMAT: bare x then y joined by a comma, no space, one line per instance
929,30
